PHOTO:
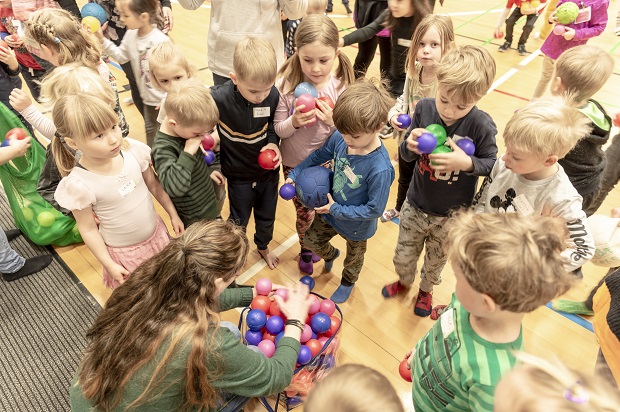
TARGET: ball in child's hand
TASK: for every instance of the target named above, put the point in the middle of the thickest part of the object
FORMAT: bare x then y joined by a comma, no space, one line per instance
405,372
13,37
559,29
306,88
94,10
307,100
209,157
498,34
617,119
567,12
16,133
207,142
439,132
404,120
439,150
46,219
307,280
427,142
467,146
287,191
326,100
91,23
263,286
265,159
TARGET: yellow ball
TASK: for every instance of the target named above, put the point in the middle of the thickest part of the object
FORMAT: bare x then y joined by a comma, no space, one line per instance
46,219
92,23
535,3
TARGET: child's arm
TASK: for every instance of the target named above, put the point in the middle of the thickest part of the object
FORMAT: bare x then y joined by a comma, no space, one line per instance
10,65
579,241
119,53
175,170
87,226
367,32
401,106
16,148
191,4
21,102
598,21
157,190
285,123
318,157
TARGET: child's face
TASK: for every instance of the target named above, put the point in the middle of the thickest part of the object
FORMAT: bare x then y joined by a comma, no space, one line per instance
450,106
190,132
470,299
168,75
252,91
360,142
105,145
130,19
400,8
317,61
429,49
523,163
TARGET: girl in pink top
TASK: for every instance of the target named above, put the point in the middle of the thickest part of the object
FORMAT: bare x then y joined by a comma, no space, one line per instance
111,183
303,133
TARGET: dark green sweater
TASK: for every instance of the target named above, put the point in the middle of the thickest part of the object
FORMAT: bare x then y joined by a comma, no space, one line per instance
186,179
242,371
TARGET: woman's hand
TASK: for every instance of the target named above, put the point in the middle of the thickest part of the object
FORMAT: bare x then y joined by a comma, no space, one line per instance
297,304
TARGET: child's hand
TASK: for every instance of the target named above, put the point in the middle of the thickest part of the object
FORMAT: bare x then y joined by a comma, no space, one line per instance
300,119
289,181
13,43
20,100
192,145
412,140
325,113
553,18
325,209
19,147
450,162
407,356
217,177
276,149
395,123
7,56
177,225
117,272
569,33
615,212
168,19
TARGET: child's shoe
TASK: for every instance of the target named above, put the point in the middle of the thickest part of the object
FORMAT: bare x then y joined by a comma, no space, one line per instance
305,262
346,6
329,264
389,215
571,306
423,304
504,47
342,294
393,289
315,258
438,311
521,49
32,265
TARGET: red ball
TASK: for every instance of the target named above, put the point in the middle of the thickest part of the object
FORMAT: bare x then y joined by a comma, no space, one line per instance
274,309
261,302
269,336
265,159
16,133
405,373
308,101
208,142
315,346
333,326
327,100
498,34
617,119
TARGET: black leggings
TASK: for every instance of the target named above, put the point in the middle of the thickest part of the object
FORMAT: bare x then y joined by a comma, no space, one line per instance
366,53
405,174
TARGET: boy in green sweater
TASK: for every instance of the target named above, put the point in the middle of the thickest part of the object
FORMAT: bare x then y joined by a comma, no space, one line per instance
505,265
177,156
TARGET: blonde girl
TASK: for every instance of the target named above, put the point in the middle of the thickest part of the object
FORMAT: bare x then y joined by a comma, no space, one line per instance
111,182
539,385
140,17
302,133
433,37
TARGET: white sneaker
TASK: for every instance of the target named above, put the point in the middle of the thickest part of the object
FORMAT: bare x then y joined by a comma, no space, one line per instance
128,100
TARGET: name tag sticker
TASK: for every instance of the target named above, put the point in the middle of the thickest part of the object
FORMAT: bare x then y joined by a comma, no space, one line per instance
262,112
584,15
447,323
350,175
404,42
127,188
522,205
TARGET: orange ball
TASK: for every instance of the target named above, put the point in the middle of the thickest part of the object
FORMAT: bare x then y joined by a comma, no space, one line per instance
261,302
315,346
333,327
274,309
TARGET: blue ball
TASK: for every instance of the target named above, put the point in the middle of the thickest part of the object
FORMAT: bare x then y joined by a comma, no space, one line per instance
253,337
287,191
404,120
95,10
427,143
278,337
312,186
307,280
209,157
306,88
5,143
256,319
467,146
305,354
320,322
275,324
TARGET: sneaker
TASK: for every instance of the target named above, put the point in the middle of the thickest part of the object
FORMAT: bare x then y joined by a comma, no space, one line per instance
315,257
128,100
438,311
389,215
386,132
504,47
305,262
342,294
521,49
393,289
423,304
571,306
346,6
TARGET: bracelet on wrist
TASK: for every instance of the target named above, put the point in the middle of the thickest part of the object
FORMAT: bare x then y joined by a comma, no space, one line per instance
295,322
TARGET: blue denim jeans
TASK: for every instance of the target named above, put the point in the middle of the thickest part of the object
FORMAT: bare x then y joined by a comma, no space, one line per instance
10,260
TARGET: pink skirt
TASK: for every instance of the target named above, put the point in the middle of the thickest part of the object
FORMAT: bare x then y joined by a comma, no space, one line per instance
132,256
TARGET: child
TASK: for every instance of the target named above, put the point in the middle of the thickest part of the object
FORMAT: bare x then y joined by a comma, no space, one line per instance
177,158
547,26
521,10
433,37
140,16
247,105
112,181
314,7
528,179
580,72
302,133
353,388
443,182
607,327
402,17
362,178
506,265
539,385
9,78
590,23
610,175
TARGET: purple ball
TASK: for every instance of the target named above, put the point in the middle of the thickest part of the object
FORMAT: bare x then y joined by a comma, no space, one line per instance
404,120
467,146
275,324
305,354
307,280
320,322
427,143
253,337
278,337
287,191
256,319
209,157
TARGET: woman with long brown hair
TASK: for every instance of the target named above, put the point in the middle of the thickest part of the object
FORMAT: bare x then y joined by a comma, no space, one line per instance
158,345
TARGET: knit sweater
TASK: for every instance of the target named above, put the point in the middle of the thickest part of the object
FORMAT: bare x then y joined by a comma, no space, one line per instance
607,322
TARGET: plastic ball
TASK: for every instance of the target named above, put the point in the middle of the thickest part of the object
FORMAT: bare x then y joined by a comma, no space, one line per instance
320,323
207,142
467,146
274,309
305,354
312,186
306,334
261,303
326,100
315,346
498,34
278,337
308,101
427,142
567,12
209,157
315,306
253,337
287,191
16,133
28,213
323,340
334,324
404,372
265,159
46,219
559,29
404,120
92,23
438,131
95,10
256,319
282,292
306,88
263,286
328,307
269,336
267,347
439,150
307,280
617,119
5,143
275,325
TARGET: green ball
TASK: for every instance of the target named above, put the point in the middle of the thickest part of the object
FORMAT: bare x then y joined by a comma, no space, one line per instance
28,213
75,230
46,219
439,132
567,13
441,149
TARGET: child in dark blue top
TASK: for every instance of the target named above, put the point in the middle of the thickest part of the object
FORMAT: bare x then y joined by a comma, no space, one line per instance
363,174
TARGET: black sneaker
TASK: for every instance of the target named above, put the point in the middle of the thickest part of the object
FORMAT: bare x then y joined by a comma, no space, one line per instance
504,47
521,49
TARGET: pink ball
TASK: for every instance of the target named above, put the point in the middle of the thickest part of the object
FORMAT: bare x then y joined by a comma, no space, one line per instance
283,293
308,101
323,340
559,29
315,306
263,286
306,334
267,347
328,307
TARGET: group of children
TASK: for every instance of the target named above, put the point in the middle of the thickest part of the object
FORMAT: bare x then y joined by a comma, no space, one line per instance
552,167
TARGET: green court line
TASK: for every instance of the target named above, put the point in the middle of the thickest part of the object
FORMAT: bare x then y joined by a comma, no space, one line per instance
615,47
480,15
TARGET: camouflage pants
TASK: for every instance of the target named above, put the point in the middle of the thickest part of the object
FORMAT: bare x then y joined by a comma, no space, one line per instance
305,216
415,230
317,240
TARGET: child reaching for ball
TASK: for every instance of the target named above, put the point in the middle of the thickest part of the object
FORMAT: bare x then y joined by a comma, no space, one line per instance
302,130
111,182
363,174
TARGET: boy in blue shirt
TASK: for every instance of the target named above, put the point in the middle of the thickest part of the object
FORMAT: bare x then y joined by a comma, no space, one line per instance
363,174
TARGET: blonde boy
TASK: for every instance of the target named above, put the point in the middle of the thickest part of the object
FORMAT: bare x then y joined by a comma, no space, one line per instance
580,72
506,265
177,158
247,105
528,179
444,182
